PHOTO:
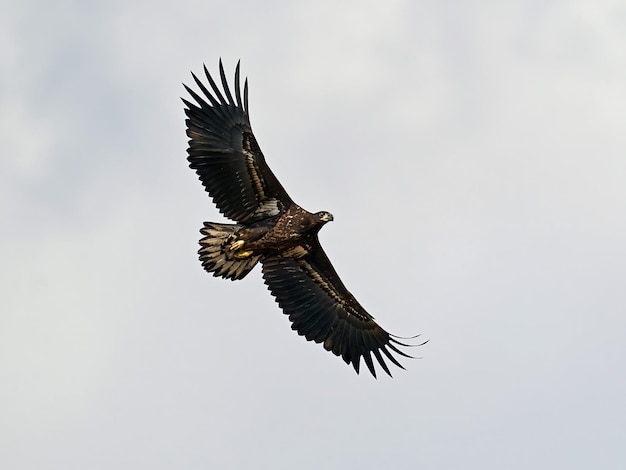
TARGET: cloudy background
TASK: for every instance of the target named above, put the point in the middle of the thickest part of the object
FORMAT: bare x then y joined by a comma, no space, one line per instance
474,157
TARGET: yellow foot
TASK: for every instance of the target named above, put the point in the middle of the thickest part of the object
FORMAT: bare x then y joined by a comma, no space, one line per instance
242,254
234,246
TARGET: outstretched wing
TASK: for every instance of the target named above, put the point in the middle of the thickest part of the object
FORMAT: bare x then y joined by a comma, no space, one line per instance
226,156
321,309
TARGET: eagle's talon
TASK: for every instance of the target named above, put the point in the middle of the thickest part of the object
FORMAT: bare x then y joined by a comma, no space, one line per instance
242,254
234,246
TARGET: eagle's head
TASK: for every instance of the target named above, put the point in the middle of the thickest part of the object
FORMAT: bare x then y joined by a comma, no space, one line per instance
309,223
324,216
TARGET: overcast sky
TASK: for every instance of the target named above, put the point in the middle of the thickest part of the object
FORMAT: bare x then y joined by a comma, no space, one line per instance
474,157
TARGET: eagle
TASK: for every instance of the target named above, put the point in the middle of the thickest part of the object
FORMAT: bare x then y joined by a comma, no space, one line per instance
271,229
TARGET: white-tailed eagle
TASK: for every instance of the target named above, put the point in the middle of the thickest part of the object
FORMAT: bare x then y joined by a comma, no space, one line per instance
273,230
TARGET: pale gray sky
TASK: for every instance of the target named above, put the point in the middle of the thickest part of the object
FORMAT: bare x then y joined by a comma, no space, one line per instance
474,157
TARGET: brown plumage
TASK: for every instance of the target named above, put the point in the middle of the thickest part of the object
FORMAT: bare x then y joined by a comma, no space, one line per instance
270,228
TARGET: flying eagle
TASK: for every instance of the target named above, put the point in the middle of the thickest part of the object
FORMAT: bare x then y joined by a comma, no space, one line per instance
273,230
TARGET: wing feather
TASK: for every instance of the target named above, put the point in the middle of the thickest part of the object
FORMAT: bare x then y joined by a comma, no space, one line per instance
214,86
225,154
381,361
321,309
238,87
368,360
225,85
390,357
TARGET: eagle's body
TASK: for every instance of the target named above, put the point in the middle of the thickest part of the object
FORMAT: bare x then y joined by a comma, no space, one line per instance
291,233
271,229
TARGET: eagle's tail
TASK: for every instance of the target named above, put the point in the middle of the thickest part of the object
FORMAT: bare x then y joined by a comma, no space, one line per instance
216,256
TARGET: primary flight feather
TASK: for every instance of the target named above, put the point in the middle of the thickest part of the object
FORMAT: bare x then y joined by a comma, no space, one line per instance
271,229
